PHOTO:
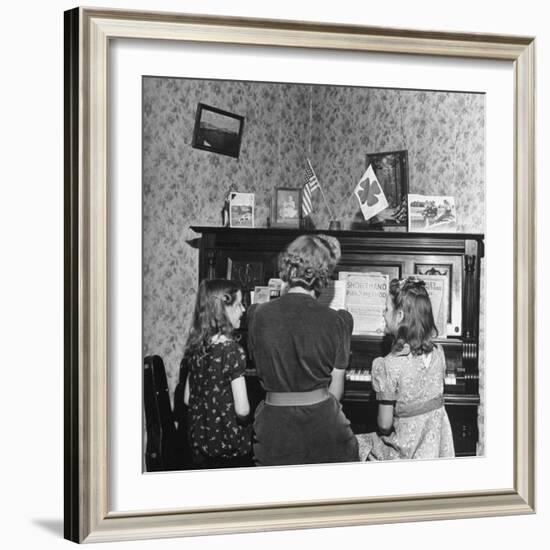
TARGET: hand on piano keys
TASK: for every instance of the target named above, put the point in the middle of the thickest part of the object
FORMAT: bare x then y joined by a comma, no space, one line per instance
358,375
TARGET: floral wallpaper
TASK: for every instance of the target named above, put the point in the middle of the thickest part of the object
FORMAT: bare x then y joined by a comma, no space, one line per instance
334,126
443,133
183,186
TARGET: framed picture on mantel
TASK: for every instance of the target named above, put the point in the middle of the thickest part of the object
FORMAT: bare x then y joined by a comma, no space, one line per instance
392,171
287,211
131,260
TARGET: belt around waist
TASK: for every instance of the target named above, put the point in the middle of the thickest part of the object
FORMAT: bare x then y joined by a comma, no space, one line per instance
282,399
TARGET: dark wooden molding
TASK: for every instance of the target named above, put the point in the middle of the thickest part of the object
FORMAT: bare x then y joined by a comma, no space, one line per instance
71,277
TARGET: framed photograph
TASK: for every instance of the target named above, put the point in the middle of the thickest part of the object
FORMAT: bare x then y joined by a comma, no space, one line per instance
218,131
392,171
109,495
431,214
287,207
241,209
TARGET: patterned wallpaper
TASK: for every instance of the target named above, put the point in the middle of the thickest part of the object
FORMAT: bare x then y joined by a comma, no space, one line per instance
183,186
443,133
334,126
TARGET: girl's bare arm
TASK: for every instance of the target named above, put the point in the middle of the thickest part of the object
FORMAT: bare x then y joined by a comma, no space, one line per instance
385,418
240,396
186,391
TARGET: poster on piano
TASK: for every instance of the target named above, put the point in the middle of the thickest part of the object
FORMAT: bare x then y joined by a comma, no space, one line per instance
365,299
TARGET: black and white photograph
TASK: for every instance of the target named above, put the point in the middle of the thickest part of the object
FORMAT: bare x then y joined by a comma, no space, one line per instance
217,131
389,366
241,209
431,214
392,172
288,207
202,384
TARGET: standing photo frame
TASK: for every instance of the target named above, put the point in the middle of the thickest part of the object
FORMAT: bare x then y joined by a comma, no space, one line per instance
241,209
287,211
90,332
392,170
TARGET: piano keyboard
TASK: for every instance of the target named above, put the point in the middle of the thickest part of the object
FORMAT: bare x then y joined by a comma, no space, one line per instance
364,375
358,375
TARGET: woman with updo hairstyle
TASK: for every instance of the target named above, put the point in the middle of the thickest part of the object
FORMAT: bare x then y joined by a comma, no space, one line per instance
301,350
308,262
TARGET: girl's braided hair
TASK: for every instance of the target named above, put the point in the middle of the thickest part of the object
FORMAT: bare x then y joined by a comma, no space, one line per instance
309,261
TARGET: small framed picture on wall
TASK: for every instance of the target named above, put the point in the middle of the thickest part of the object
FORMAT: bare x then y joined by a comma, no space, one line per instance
218,131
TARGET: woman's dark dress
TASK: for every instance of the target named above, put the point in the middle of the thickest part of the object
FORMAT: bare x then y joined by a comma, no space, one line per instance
296,343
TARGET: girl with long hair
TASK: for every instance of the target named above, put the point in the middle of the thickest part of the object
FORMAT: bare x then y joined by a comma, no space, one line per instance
212,370
412,421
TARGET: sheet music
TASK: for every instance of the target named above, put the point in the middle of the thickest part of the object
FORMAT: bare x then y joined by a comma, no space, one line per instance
366,300
260,295
334,295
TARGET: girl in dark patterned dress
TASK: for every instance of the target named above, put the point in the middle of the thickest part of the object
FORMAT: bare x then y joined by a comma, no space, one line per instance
213,368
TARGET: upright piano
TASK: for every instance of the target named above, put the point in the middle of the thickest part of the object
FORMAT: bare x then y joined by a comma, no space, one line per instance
249,257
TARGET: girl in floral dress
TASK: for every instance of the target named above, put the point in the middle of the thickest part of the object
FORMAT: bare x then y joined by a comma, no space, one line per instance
412,421
213,373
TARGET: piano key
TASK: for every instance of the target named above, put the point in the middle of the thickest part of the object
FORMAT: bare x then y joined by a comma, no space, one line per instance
450,379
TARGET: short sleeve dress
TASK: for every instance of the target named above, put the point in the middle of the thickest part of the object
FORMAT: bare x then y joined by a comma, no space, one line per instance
296,343
213,428
421,428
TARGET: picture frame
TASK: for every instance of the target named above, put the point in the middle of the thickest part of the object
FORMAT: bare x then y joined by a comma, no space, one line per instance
287,210
241,209
392,171
89,35
431,214
218,131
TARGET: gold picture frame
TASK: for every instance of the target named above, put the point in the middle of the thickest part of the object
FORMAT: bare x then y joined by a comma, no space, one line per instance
87,36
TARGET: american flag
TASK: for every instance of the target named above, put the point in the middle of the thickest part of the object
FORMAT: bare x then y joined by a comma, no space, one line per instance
312,183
